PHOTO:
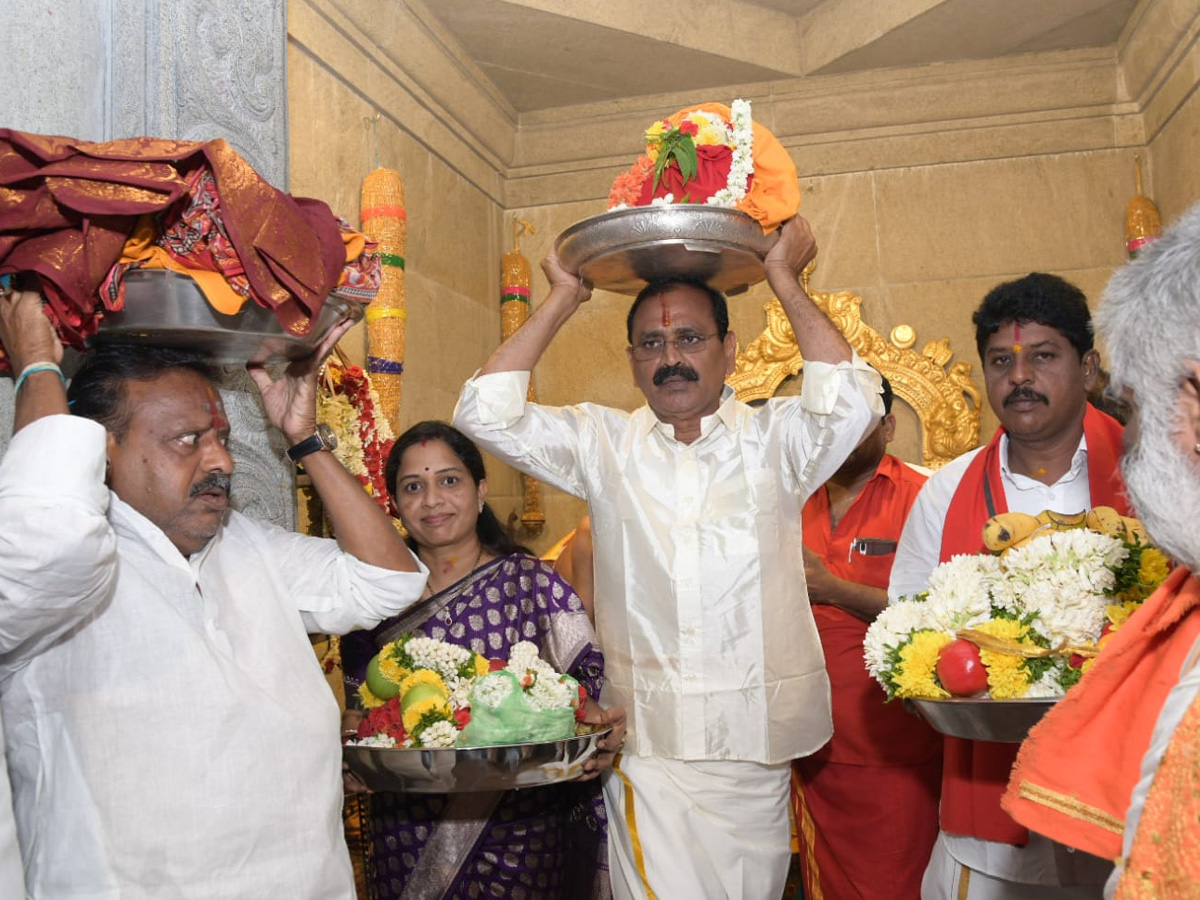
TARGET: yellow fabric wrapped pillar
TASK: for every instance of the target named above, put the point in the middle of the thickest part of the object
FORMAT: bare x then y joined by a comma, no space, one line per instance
384,220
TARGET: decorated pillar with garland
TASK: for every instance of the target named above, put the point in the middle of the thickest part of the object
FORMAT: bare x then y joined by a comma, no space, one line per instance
386,222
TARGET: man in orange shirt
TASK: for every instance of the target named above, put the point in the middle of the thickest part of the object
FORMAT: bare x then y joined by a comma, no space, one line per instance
866,803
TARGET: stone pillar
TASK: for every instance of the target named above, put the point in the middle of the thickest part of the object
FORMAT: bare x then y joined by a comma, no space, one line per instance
183,69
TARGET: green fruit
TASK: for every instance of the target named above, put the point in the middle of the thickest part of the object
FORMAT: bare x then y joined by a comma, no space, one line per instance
381,687
418,693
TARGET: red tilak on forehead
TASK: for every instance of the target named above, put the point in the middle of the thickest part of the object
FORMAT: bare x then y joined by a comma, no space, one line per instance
666,311
1017,332
219,422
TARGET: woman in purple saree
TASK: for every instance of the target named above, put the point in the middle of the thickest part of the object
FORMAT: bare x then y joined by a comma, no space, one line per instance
546,843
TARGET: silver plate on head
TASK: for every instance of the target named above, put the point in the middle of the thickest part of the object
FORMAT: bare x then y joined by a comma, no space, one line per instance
462,769
1003,721
169,309
624,249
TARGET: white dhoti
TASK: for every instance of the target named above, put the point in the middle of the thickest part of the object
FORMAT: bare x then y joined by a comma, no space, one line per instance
705,830
948,879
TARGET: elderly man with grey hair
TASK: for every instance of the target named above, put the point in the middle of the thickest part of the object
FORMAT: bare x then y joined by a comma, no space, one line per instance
1134,719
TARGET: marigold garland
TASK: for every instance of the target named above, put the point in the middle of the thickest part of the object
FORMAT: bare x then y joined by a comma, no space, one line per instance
348,403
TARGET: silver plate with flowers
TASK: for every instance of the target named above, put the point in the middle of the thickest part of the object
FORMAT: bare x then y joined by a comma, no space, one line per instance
450,770
169,309
623,249
1002,721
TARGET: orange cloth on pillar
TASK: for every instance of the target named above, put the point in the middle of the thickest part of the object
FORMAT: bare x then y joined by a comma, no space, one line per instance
1080,798
975,772
866,803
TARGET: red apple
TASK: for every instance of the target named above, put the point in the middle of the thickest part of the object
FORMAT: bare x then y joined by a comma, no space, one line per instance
960,670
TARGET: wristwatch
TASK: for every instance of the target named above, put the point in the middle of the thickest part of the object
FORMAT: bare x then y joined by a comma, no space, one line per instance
324,439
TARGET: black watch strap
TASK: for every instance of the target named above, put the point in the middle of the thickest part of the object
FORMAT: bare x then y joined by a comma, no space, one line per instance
310,444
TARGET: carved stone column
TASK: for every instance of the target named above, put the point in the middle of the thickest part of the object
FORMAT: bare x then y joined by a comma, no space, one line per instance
187,69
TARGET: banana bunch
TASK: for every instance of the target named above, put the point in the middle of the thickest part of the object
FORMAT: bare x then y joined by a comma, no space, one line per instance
1007,531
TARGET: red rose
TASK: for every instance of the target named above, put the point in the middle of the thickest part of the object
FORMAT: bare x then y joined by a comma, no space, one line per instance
495,665
461,717
687,126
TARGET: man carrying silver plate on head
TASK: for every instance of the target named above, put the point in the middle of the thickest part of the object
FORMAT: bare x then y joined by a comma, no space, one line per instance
170,733
700,603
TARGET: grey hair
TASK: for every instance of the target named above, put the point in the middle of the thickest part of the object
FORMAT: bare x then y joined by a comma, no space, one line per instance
1149,319
1149,316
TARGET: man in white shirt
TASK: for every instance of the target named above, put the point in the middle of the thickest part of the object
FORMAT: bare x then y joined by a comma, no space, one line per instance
1053,451
700,601
170,733
1136,708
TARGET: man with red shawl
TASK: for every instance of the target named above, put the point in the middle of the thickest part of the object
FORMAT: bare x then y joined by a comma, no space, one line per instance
1053,451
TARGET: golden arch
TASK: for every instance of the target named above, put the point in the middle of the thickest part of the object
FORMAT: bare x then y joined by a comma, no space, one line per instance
945,399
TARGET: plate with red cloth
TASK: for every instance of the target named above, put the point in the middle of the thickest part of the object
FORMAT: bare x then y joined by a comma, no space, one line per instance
169,309
623,249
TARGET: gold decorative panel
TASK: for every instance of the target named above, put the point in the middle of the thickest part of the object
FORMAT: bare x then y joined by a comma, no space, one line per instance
944,398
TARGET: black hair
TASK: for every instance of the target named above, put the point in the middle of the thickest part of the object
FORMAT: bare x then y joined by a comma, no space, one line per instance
720,309
1039,298
493,536
886,393
98,389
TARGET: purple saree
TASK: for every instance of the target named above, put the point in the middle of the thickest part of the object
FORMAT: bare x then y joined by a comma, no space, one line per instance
545,843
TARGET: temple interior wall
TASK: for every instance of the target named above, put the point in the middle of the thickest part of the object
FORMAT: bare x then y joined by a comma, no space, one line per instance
925,187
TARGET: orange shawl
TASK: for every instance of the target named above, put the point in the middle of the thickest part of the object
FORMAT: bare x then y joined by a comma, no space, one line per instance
974,773
1077,769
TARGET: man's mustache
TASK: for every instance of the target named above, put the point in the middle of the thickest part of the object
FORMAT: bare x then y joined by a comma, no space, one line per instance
1026,394
211,482
687,373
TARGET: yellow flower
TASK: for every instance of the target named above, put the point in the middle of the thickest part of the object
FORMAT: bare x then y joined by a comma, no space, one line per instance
1118,613
1153,567
710,132
913,677
423,676
1007,678
417,711
392,670
369,700
482,665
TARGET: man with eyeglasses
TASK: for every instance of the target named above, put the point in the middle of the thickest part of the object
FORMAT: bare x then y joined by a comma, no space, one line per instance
700,598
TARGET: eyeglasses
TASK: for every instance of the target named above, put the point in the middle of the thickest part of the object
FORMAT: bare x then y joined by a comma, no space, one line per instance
653,348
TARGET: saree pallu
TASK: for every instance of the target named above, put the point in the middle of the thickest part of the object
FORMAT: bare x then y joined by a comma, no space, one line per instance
546,843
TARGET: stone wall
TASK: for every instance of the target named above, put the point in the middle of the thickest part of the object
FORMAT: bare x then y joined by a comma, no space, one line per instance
925,187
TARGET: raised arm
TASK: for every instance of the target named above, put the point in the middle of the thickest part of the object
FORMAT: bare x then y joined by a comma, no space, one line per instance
362,528
527,344
35,353
816,336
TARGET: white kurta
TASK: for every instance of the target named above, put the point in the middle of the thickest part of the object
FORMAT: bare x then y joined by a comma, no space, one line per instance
180,740
1041,861
53,470
701,605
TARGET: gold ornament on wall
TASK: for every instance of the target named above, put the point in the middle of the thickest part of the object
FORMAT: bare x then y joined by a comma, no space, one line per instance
945,399
1143,224
515,297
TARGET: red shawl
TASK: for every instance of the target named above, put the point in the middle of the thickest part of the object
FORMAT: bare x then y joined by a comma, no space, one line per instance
975,773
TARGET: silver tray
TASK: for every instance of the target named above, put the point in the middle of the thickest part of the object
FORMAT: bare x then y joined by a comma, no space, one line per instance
623,249
1002,721
169,309
460,769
